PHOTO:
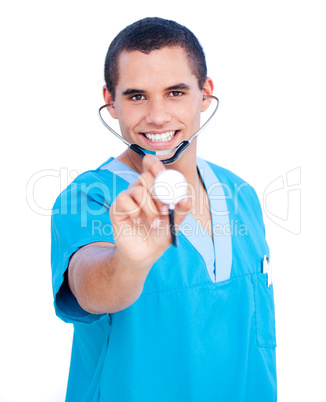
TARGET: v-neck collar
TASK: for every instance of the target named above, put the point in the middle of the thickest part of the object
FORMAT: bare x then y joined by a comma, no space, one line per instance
120,169
221,240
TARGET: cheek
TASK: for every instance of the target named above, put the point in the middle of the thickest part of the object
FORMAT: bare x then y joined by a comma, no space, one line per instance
191,113
129,114
123,122
124,117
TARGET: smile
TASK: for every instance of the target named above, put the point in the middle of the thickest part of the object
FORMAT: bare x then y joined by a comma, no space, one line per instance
163,137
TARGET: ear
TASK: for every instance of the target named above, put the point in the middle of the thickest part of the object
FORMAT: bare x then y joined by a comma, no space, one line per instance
109,100
207,90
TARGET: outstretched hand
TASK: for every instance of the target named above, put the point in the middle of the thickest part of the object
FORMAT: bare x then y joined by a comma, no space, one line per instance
140,221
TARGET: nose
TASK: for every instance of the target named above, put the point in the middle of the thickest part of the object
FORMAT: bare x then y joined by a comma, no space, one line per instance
157,113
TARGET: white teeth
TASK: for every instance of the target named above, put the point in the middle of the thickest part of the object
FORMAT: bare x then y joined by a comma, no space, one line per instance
164,137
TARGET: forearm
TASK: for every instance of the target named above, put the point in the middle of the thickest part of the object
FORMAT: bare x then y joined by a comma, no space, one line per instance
103,282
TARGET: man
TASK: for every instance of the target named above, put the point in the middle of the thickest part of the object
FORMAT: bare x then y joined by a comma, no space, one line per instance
154,322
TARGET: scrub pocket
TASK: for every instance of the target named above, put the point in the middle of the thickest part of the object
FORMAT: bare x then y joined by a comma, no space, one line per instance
264,311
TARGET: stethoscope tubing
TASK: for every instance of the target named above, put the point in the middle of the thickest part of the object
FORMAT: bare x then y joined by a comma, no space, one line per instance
177,150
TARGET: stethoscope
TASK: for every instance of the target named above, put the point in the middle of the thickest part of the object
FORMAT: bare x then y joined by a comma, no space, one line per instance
177,150
170,185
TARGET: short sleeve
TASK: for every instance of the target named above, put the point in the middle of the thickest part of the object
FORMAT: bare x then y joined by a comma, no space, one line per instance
80,216
254,203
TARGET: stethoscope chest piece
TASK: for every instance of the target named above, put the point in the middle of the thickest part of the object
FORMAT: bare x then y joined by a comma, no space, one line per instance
170,187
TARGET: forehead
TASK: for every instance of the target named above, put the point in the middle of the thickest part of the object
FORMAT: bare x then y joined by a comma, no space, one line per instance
159,67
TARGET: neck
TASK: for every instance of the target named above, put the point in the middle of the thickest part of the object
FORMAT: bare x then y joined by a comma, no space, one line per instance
186,163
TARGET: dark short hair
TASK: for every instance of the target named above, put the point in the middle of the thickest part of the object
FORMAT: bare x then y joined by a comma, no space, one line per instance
151,34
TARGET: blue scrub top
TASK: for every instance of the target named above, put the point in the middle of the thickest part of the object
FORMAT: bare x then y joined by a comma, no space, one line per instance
203,328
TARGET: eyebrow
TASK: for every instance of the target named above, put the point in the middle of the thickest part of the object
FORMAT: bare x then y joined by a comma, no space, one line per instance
130,91
134,91
181,85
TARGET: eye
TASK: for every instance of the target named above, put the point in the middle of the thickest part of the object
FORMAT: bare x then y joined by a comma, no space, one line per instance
175,93
138,97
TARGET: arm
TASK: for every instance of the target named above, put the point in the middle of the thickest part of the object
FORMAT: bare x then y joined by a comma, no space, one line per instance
106,278
102,281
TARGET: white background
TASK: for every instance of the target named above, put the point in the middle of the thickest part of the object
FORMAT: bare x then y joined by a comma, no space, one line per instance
267,60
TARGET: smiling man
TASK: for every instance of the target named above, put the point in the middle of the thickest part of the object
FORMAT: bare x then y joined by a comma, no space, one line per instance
154,322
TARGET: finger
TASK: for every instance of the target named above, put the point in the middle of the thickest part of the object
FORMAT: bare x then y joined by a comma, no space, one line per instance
124,208
153,165
182,209
147,209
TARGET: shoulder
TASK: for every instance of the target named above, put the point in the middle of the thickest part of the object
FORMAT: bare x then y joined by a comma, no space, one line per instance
99,184
225,175
235,187
87,181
